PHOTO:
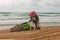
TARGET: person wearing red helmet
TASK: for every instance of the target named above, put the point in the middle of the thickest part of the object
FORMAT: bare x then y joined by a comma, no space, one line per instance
34,20
32,13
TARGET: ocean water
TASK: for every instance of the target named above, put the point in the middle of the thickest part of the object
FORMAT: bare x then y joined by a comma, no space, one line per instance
10,19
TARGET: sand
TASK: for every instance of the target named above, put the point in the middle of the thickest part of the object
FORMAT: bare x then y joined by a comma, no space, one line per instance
45,33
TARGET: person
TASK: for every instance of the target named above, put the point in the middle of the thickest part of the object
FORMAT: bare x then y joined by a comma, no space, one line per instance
34,20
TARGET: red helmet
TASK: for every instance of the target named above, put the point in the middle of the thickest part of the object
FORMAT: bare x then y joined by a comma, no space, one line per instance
33,13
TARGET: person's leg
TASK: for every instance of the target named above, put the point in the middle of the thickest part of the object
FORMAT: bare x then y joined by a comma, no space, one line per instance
37,25
31,25
34,26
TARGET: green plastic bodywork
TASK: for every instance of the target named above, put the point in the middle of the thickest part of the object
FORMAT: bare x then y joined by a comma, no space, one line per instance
26,26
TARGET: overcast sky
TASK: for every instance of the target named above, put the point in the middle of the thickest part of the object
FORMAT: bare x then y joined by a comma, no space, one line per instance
29,5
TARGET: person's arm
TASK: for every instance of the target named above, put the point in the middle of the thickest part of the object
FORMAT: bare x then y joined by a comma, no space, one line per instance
37,19
30,19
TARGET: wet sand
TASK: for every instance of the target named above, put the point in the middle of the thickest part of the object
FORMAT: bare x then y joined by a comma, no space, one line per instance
45,33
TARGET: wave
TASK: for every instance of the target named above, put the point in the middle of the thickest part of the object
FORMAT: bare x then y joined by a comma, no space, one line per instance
26,14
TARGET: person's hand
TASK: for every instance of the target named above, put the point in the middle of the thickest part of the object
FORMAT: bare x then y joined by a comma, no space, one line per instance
29,20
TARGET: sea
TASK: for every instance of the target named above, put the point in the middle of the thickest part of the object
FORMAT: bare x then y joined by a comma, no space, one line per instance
11,19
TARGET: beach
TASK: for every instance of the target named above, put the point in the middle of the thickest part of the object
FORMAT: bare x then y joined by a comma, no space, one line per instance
45,33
